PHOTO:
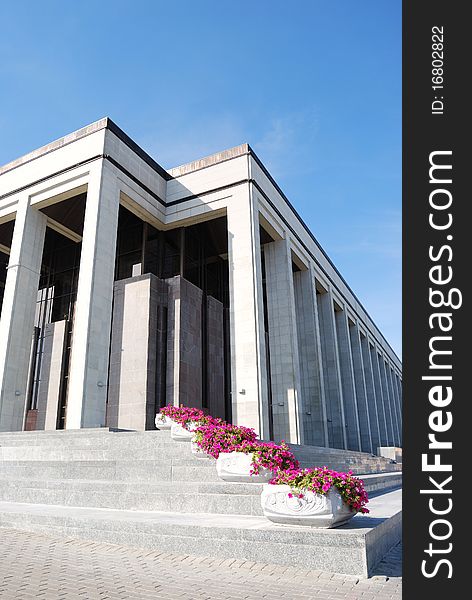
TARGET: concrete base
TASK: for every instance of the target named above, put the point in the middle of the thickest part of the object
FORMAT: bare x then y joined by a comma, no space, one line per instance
143,489
354,549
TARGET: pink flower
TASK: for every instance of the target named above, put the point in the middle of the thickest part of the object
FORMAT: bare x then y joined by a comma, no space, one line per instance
215,436
321,479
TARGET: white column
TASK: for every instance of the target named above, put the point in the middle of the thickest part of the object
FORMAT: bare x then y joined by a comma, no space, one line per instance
361,390
371,395
399,410
396,404
284,363
87,388
331,372
393,404
379,396
351,412
309,351
18,310
320,358
249,389
398,387
51,374
387,403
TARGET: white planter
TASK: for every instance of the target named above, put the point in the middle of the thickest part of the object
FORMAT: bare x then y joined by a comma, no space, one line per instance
180,434
198,452
236,466
315,510
163,422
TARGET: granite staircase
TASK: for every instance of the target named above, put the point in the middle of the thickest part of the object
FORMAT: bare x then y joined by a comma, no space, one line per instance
146,490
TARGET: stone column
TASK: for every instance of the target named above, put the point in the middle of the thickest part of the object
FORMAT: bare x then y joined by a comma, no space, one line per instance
51,375
400,393
135,371
351,414
398,388
18,310
87,389
361,389
309,351
379,396
184,343
397,401
371,395
393,398
284,363
331,372
215,359
249,391
387,401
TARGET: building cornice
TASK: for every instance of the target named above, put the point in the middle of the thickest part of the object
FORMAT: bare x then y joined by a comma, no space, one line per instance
105,123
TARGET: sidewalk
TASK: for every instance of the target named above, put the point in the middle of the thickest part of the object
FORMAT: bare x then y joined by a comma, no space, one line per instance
37,566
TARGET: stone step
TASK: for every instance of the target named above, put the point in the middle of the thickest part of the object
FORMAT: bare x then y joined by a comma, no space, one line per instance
174,453
148,446
171,469
98,436
305,448
148,443
219,497
127,470
329,457
342,456
353,549
379,483
173,450
103,439
346,464
194,487
103,444
126,449
373,483
356,469
64,433
170,501
148,469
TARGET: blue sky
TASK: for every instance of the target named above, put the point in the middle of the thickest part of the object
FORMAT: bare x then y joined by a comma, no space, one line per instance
313,86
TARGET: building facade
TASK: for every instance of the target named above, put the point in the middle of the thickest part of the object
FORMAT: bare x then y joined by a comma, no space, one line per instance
125,287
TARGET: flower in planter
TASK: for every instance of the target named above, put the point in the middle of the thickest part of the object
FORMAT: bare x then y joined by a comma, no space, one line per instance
320,480
268,455
216,436
184,414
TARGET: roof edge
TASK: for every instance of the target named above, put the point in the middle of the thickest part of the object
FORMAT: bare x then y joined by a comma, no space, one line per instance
103,123
56,144
210,160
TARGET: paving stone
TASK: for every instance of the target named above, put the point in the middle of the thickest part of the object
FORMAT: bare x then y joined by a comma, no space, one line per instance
34,565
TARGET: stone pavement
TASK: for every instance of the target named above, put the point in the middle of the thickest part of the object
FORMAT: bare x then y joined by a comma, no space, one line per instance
33,565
